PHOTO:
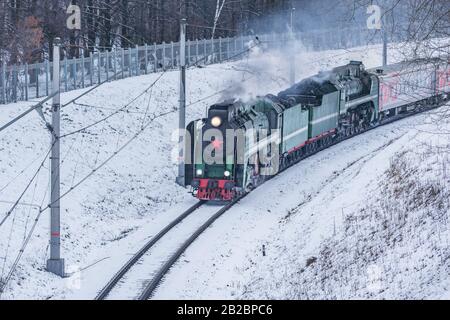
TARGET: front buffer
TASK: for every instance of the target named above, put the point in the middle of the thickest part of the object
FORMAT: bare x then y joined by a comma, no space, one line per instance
212,189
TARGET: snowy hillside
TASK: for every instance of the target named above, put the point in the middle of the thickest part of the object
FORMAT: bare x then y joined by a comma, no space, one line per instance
111,214
391,242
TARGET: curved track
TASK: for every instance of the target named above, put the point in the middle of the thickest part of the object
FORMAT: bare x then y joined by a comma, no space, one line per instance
103,294
155,259
153,284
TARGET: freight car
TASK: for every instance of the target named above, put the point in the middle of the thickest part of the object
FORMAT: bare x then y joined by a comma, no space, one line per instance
241,144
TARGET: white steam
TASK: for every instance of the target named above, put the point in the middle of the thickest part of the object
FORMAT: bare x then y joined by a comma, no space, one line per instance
265,71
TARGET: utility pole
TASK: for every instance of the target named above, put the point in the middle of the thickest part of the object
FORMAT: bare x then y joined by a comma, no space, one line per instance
385,43
182,112
55,264
293,50
385,35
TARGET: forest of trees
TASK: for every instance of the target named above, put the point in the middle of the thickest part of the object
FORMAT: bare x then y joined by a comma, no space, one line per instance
28,27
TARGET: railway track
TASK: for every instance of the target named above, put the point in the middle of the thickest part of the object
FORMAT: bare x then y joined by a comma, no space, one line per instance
118,287
160,253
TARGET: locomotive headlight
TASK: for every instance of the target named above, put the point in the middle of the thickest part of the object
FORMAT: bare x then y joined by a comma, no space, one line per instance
216,122
199,172
227,173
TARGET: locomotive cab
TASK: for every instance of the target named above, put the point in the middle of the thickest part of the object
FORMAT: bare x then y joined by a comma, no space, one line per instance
227,158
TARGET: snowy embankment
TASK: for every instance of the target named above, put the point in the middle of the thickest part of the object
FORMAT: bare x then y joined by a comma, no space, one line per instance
390,241
111,214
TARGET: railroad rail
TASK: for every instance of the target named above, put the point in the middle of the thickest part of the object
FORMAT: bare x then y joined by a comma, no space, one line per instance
153,284
154,241
136,257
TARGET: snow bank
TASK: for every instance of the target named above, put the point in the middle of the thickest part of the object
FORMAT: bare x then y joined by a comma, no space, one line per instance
393,244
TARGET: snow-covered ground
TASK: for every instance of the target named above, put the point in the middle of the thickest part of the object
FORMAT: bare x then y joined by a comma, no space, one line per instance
110,215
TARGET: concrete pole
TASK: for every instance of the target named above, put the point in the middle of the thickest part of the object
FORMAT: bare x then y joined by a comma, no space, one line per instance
293,50
384,29
182,112
55,264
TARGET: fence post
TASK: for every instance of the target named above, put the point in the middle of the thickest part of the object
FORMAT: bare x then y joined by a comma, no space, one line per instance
107,64
66,85
197,45
172,54
122,63
130,55
99,67
14,83
38,71
212,50
138,62
164,55
37,79
189,51
75,77
205,51
82,70
115,63
146,59
26,81
228,48
91,68
4,82
155,48
47,77
220,49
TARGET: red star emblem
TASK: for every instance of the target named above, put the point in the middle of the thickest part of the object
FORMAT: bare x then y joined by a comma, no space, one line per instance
217,144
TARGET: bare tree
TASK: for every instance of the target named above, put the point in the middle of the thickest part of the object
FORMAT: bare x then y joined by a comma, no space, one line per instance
219,7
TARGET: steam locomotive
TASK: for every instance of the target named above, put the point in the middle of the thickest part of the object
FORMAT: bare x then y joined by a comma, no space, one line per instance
241,144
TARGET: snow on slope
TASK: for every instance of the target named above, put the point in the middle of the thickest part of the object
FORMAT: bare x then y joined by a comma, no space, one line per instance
111,214
390,241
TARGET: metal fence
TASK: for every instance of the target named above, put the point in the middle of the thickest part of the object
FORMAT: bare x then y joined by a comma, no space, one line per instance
26,82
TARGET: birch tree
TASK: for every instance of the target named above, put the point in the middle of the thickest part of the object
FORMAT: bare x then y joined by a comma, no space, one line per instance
219,7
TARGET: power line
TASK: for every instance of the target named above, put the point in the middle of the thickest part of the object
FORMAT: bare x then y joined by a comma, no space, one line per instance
19,256
80,182
27,238
19,174
115,112
135,136
34,107
26,189
141,94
